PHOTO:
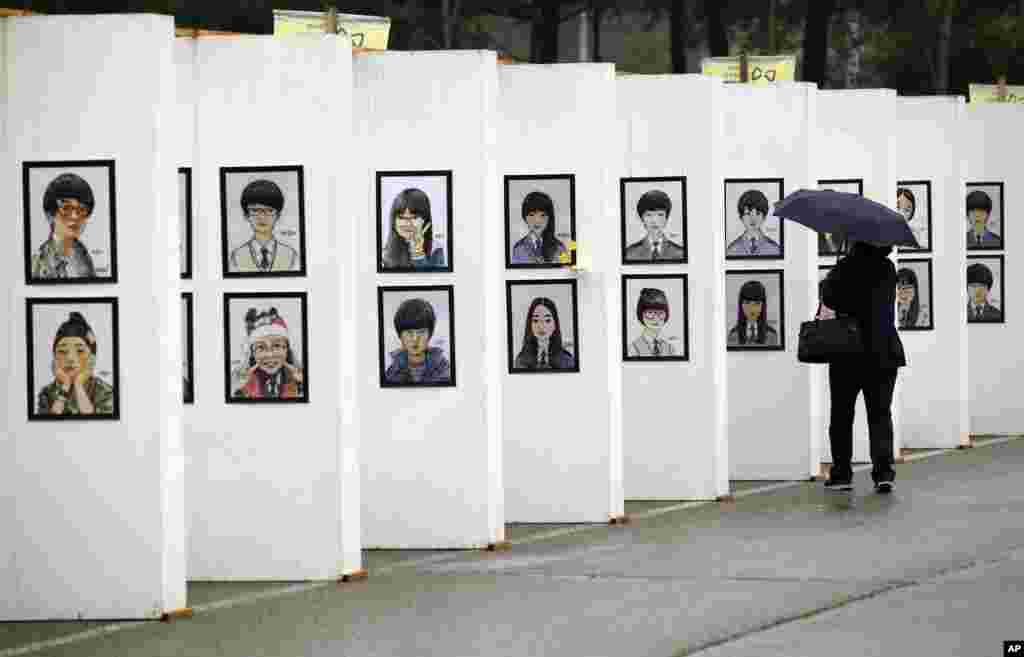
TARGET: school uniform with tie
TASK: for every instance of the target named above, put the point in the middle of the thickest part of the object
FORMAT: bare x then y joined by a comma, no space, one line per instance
646,250
644,346
747,246
530,250
983,313
266,256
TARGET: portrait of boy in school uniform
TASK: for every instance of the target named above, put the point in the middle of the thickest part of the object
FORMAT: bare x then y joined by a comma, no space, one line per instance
416,335
985,228
262,221
653,215
751,230
985,290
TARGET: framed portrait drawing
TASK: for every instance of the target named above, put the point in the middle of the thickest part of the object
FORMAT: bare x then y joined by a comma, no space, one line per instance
185,221
540,221
914,202
70,210
416,335
914,297
986,291
414,221
187,368
752,231
543,326
265,347
653,217
73,361
827,245
263,221
655,317
754,310
986,227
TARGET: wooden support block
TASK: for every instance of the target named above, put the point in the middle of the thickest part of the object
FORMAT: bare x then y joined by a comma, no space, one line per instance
500,546
824,470
726,502
624,519
355,576
176,614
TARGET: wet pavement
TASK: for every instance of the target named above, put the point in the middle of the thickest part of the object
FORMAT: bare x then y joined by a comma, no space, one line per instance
936,568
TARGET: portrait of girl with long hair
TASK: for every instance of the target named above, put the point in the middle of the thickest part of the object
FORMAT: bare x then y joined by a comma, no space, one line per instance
752,328
540,217
545,312
414,213
410,242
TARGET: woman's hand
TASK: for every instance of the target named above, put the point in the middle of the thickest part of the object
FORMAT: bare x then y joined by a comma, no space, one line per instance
826,313
418,239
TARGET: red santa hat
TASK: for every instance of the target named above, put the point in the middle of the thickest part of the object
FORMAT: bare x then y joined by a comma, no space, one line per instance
266,324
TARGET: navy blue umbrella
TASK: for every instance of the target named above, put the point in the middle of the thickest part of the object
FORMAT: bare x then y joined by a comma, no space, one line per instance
858,218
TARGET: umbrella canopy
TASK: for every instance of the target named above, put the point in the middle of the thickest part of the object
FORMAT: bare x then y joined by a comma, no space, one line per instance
858,218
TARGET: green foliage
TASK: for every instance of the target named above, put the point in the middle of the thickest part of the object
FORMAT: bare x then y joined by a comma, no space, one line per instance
647,51
1002,38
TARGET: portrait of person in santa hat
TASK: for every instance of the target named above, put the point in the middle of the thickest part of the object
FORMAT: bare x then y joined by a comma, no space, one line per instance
270,368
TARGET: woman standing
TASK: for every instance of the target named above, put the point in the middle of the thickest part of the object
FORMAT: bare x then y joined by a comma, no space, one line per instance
863,286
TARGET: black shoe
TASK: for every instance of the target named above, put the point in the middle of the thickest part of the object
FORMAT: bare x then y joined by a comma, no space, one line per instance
839,483
883,487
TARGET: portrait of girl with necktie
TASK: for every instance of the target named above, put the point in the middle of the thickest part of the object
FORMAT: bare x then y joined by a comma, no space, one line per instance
654,317
913,295
540,217
264,227
753,326
547,341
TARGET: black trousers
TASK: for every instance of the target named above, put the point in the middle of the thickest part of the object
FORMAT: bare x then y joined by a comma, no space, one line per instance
846,381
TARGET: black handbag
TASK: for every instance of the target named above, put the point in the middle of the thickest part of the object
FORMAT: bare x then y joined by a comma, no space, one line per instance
829,340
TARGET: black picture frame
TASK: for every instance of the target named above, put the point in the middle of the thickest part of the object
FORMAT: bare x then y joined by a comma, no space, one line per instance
930,325
226,247
511,348
729,307
31,303
629,314
823,250
927,184
1002,215
383,325
730,212
189,383
229,393
186,273
31,205
1001,258
509,247
681,213
449,238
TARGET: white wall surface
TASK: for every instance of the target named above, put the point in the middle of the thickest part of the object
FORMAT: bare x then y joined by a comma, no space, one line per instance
992,146
431,457
273,489
851,141
555,120
674,413
767,133
928,137
94,526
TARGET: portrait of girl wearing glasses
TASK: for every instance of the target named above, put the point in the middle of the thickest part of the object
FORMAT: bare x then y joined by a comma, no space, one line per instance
72,199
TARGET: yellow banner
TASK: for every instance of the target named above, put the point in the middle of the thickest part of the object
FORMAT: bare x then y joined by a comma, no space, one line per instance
369,32
990,93
761,69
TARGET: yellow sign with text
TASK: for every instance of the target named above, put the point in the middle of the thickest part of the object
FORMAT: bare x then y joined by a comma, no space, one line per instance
761,69
992,93
367,32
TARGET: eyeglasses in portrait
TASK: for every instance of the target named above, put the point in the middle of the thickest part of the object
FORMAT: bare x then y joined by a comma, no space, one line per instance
263,221
653,217
265,347
752,231
754,310
414,221
655,318
540,221
70,217
73,364
543,325
416,335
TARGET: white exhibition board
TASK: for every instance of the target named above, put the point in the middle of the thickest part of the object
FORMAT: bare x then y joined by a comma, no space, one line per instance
431,457
927,145
767,134
992,146
563,430
94,510
685,457
851,143
273,487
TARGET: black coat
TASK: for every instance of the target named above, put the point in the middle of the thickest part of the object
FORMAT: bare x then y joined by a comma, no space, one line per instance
863,285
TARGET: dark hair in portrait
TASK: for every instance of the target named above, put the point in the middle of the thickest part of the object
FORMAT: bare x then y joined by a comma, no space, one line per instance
262,192
909,195
527,357
979,274
539,201
253,317
415,314
75,326
651,299
396,251
752,199
653,200
752,291
907,277
979,200
68,186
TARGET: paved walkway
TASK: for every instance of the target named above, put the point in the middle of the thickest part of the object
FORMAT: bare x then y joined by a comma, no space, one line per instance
936,568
